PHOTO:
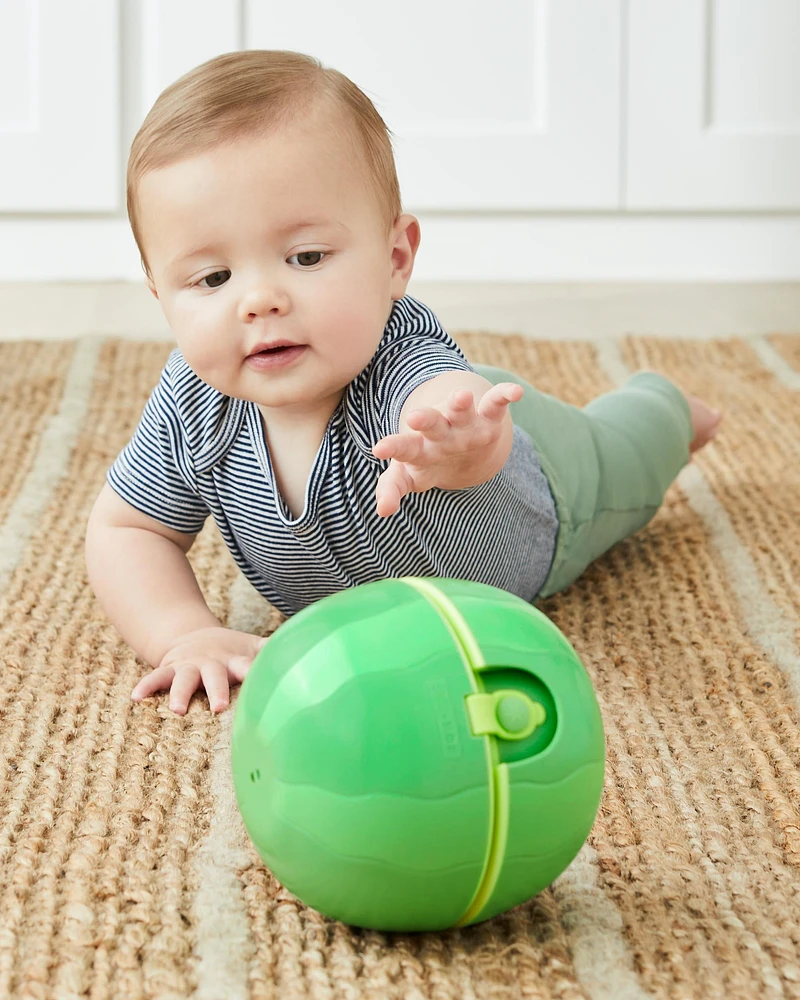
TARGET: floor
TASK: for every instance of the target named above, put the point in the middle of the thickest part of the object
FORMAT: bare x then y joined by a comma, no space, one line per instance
549,311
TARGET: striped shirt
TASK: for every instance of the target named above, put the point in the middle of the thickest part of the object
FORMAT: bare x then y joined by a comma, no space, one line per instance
197,452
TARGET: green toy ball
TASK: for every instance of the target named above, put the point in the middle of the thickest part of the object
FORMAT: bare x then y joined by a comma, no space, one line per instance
417,754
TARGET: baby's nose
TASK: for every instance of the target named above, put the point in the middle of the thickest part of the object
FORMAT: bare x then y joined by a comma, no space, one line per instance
263,300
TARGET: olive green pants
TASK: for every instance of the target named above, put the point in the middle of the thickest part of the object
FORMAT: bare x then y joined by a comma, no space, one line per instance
608,464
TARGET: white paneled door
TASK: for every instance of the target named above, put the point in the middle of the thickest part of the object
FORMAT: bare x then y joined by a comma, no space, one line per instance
59,106
713,105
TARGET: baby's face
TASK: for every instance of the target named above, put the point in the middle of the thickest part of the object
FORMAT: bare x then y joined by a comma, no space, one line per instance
274,238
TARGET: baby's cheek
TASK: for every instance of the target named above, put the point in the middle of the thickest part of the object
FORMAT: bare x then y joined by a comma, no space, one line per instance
215,365
351,342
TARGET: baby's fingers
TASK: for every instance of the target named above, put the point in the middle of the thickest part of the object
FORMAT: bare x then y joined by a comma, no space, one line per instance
215,678
460,408
495,400
157,680
433,423
187,681
393,485
400,447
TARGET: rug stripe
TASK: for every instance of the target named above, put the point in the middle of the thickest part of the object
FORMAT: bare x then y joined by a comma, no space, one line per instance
775,363
52,457
224,945
600,954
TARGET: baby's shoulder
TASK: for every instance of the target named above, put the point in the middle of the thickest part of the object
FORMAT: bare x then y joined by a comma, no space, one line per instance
412,334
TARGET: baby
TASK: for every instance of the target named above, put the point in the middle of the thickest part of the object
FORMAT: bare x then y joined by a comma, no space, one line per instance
335,432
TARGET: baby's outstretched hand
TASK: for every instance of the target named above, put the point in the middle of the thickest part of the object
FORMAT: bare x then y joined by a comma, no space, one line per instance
207,657
445,445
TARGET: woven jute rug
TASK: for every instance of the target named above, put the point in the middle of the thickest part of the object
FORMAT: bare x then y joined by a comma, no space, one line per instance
125,871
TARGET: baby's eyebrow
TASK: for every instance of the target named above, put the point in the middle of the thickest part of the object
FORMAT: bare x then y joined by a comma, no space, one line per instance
194,252
295,227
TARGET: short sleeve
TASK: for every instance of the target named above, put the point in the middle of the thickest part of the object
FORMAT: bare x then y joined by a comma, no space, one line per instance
402,366
154,472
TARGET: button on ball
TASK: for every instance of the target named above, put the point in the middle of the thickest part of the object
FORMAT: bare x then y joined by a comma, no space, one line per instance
417,753
514,713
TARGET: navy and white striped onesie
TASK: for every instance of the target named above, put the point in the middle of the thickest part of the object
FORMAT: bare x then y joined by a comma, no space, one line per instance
197,452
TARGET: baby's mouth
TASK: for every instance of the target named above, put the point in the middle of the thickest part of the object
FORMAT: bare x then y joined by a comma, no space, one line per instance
272,356
276,348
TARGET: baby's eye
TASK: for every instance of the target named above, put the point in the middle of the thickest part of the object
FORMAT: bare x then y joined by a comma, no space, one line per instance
215,279
318,254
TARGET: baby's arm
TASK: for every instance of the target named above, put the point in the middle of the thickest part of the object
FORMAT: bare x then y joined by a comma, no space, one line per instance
145,584
455,432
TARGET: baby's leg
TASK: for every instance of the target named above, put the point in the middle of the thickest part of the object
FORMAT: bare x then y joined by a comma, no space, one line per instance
610,463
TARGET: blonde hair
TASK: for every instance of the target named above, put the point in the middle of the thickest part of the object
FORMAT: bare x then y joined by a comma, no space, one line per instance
244,93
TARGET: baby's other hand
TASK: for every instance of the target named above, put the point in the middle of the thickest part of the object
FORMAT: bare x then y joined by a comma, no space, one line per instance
452,445
209,657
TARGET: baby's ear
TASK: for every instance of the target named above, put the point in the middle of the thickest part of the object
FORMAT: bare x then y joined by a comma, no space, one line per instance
149,282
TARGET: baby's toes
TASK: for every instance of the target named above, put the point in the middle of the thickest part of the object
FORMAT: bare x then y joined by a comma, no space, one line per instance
705,422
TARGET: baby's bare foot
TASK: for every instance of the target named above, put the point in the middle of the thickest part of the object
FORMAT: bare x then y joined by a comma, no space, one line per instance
705,422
